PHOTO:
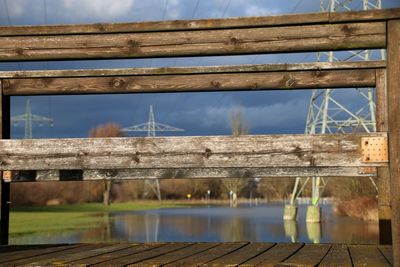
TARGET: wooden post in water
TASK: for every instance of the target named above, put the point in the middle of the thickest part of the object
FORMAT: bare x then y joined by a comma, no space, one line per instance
393,90
4,186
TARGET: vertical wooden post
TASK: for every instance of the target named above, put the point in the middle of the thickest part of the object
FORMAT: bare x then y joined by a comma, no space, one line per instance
4,186
393,90
383,183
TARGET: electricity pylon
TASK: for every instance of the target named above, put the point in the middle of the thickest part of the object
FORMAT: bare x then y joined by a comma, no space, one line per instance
151,127
328,111
28,118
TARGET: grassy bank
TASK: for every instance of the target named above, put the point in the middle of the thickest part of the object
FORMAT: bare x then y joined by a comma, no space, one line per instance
36,219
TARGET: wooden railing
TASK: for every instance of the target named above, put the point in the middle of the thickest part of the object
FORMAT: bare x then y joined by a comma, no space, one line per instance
346,155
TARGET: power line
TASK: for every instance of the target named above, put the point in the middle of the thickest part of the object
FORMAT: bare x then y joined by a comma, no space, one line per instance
7,12
226,8
195,8
165,9
45,11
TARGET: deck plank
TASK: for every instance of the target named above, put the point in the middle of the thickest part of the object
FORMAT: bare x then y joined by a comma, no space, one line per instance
241,255
117,254
308,255
209,255
387,252
197,254
364,255
82,254
274,255
177,255
338,255
31,252
148,254
45,257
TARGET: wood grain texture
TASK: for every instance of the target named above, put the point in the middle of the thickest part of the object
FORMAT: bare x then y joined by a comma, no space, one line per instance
274,255
197,254
170,258
185,152
4,186
226,23
241,255
109,256
308,255
195,43
71,249
193,173
145,255
201,259
28,252
339,65
383,175
387,252
393,85
337,256
364,255
191,83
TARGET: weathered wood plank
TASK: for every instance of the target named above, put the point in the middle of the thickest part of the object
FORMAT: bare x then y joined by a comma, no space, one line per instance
209,255
185,152
393,85
339,65
192,82
364,255
274,255
194,173
176,255
245,22
308,255
4,186
148,254
370,15
71,249
387,252
139,248
32,252
337,256
383,175
241,255
65,258
196,43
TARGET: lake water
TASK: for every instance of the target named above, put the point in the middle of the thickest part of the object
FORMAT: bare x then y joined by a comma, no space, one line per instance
261,223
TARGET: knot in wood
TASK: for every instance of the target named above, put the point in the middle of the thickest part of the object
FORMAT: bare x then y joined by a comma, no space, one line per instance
117,83
207,153
6,84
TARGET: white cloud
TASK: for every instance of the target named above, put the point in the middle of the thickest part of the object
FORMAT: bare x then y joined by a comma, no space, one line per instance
255,10
100,9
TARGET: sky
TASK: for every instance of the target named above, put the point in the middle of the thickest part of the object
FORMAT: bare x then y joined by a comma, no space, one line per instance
266,112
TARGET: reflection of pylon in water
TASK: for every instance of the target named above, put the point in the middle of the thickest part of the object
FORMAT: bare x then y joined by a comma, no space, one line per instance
152,224
327,111
151,127
28,118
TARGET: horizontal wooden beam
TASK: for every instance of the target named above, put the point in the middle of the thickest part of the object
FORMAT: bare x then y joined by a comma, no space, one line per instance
261,151
201,24
191,82
339,65
189,173
207,42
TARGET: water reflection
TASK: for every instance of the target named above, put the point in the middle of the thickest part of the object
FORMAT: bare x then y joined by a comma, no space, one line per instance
212,224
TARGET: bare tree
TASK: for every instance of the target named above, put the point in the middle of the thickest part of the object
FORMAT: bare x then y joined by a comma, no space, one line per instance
107,130
239,126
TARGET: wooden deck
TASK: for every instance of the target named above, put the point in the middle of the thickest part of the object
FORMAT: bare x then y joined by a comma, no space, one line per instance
195,254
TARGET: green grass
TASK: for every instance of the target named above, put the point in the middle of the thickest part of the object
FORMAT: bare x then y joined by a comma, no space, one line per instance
40,219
